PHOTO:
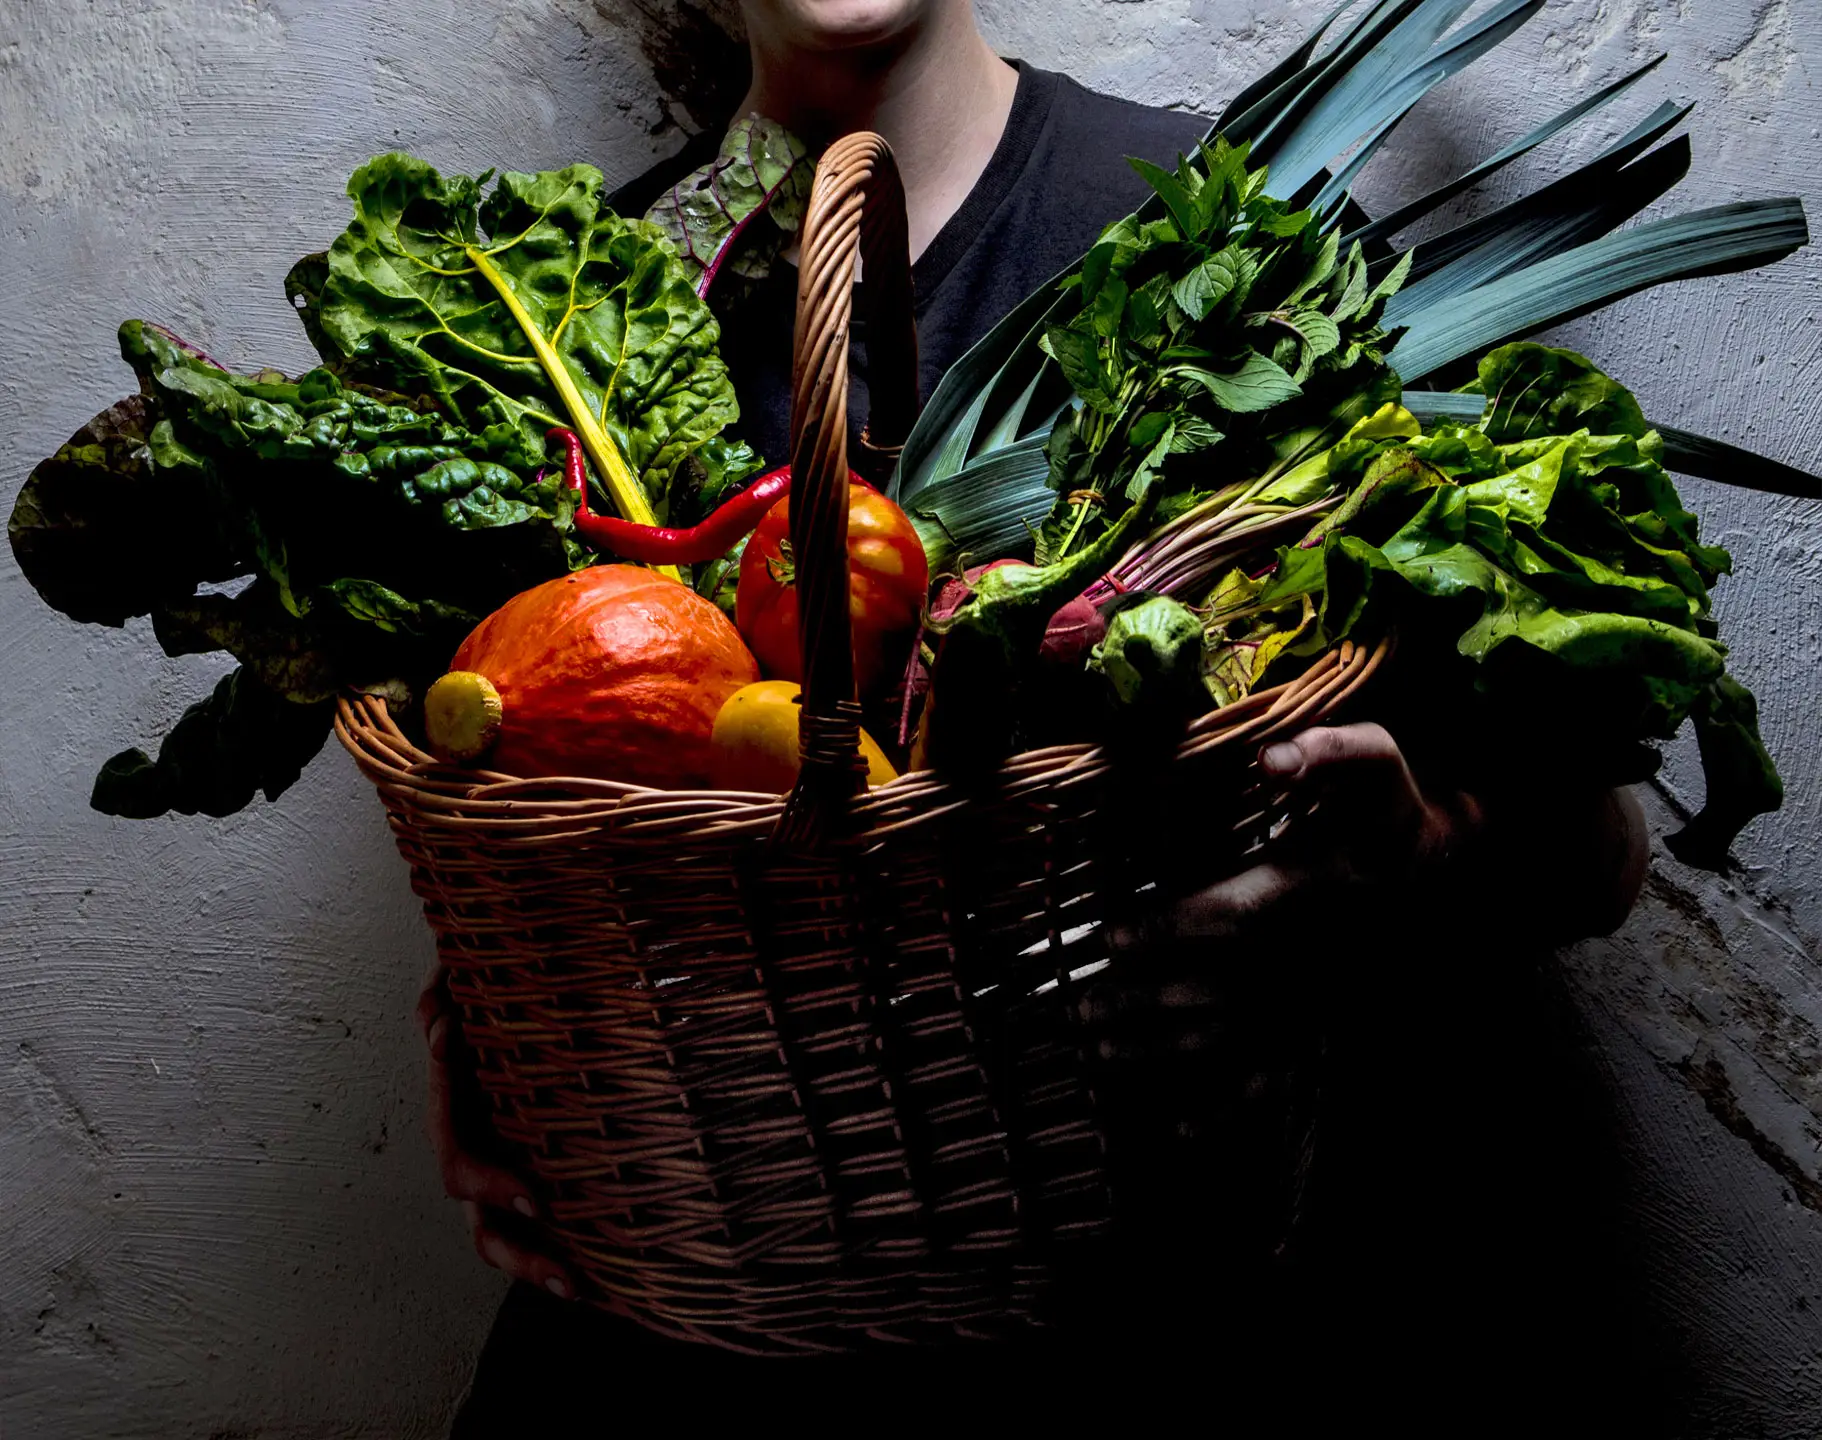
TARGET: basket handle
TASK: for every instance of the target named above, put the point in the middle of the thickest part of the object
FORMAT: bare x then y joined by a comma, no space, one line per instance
857,207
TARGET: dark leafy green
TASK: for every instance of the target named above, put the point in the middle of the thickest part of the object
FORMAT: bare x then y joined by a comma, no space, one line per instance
345,529
1318,119
364,538
737,213
102,533
242,740
1204,338
1531,391
989,647
311,482
1742,781
372,534
1546,546
1231,335
1151,662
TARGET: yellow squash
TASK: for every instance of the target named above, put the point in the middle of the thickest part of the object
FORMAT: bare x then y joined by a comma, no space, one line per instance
754,744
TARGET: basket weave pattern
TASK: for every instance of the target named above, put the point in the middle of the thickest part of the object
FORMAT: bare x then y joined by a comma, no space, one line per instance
792,1073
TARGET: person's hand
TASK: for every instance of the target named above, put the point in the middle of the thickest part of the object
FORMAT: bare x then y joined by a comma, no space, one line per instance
1248,952
495,1202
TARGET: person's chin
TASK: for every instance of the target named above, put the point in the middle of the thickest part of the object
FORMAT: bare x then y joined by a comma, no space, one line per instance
855,24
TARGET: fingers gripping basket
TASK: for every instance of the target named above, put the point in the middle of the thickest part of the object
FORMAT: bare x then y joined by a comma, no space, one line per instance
791,1074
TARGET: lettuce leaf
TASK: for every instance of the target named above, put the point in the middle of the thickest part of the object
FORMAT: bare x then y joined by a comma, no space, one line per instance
1559,566
1534,390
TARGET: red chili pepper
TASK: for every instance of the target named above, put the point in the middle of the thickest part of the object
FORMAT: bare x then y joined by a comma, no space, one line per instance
663,544
708,539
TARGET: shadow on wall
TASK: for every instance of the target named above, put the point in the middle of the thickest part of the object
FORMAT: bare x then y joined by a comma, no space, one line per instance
698,53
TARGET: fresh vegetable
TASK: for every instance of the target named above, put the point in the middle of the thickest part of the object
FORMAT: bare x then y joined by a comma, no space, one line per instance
341,539
1045,427
614,672
1202,537
1233,336
755,740
973,472
1063,414
242,740
462,714
1052,694
1228,334
737,213
344,530
887,578
708,539
1537,564
1069,634
1152,657
1073,632
530,307
983,700
339,530
1558,564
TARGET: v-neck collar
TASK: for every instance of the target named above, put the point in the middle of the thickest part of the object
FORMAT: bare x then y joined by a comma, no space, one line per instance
1031,103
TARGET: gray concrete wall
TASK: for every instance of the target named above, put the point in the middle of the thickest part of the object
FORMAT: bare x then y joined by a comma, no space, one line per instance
217,1212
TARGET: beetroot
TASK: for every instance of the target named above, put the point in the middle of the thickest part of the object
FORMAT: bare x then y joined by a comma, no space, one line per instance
1074,630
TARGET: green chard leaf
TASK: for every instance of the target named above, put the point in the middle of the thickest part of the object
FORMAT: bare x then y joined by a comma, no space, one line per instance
103,534
286,655
1742,781
1534,390
313,481
242,740
328,535
530,308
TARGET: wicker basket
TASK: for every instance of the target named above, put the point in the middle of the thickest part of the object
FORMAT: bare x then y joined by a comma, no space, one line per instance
793,1073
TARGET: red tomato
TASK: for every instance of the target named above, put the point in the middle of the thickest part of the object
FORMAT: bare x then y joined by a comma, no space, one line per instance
887,580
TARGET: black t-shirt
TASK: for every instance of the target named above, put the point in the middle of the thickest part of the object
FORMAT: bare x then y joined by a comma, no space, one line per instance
1057,177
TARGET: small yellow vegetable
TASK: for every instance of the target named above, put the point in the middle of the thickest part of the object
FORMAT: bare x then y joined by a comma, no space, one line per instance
754,745
462,716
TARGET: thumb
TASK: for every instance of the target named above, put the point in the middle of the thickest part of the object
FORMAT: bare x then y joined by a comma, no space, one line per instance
1356,780
1365,752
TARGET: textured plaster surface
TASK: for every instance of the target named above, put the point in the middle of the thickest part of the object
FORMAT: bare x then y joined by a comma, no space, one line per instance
217,1213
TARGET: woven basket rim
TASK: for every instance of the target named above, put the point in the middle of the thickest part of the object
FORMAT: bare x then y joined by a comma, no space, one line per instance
440,792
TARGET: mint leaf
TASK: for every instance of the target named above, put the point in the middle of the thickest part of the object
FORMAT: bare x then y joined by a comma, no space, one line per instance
1257,384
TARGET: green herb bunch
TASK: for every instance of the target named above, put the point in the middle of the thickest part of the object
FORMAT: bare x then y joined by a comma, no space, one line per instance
1207,342
1223,341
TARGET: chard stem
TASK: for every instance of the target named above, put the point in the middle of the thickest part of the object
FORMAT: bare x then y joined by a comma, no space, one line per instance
622,485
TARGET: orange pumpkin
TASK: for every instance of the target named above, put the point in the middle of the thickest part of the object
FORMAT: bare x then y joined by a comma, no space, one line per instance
614,672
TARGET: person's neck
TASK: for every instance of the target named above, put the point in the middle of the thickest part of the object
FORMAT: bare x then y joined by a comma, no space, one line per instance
940,98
